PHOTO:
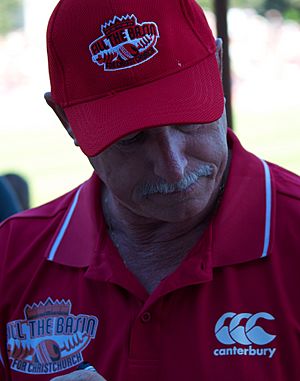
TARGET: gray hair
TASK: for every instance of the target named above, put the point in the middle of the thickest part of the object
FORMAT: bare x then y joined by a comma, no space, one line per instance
189,179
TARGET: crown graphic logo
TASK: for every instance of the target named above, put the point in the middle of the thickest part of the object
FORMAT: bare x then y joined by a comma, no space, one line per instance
118,23
124,43
47,309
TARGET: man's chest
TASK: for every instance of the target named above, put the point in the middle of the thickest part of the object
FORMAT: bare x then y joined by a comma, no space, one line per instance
239,325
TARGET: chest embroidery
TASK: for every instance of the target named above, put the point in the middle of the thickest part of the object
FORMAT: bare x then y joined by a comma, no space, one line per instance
243,335
50,339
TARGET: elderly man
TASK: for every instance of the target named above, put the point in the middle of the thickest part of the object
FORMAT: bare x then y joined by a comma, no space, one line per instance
178,259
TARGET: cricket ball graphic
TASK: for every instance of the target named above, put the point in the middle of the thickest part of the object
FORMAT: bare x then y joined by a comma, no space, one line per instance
128,51
47,351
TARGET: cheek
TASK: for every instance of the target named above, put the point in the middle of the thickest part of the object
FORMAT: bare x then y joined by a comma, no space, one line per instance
119,175
102,167
210,149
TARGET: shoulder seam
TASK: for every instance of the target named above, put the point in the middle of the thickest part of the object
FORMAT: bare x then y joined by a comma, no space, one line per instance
20,216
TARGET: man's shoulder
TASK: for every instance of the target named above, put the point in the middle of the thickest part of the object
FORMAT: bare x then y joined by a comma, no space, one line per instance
47,210
25,238
36,224
286,182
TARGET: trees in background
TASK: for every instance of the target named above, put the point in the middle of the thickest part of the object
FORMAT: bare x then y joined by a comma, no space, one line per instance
11,15
11,11
290,9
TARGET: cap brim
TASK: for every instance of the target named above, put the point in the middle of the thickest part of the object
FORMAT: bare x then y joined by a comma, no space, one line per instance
193,95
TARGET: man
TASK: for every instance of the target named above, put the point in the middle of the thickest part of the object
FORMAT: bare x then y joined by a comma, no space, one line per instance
178,259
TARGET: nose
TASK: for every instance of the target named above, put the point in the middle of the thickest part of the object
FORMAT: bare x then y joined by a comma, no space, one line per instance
168,157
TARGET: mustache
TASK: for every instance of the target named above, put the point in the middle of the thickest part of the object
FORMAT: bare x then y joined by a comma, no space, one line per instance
189,179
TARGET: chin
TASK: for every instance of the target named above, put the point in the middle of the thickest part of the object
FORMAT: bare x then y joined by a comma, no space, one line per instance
178,213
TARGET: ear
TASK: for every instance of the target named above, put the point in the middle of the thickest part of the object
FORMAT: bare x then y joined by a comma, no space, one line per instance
61,115
219,55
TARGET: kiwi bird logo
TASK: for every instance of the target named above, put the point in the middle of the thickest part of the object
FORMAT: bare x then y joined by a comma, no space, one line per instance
124,43
50,338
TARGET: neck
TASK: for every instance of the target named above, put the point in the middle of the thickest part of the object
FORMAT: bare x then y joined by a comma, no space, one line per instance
150,249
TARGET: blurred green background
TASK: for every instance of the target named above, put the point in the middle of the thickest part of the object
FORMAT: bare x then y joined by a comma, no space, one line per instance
265,55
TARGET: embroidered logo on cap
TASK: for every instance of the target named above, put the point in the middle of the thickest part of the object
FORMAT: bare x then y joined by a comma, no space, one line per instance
124,43
50,339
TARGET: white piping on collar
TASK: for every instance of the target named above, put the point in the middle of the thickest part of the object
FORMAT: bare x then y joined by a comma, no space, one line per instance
1,359
63,229
268,209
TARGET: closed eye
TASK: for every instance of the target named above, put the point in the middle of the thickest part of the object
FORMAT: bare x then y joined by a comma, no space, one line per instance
186,128
191,128
131,139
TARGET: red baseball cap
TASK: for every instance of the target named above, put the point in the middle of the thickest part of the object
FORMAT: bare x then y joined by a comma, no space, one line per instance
118,66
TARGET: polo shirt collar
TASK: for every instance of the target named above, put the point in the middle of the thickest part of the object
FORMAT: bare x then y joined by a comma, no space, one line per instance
75,239
241,230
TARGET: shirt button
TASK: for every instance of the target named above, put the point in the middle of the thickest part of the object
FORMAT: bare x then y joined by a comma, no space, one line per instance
146,317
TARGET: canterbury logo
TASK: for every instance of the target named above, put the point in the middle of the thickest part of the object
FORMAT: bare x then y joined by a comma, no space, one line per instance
246,334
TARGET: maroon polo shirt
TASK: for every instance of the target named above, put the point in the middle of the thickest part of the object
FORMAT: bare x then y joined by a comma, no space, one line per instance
230,311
